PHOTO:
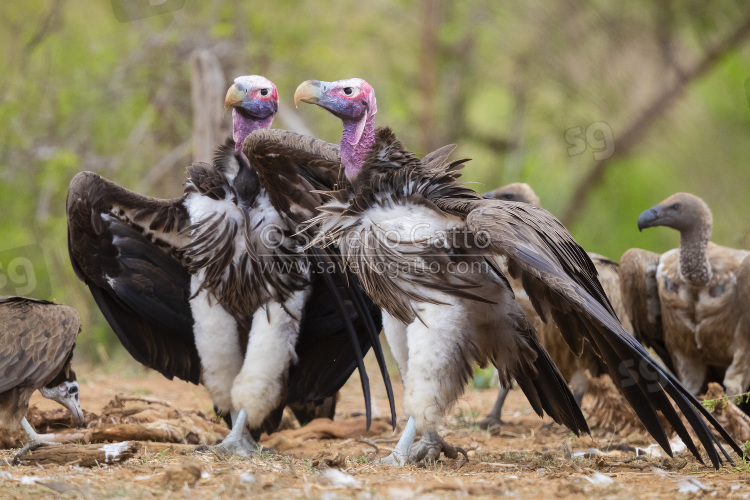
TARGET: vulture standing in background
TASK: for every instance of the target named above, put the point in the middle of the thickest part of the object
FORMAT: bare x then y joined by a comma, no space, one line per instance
136,254
572,367
427,250
693,300
37,338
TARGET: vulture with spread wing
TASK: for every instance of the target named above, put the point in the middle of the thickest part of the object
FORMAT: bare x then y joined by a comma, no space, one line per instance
572,367
692,300
427,250
37,338
209,287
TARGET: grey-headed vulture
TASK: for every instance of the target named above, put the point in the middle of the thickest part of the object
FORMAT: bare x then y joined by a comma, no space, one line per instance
37,338
692,300
426,249
572,367
180,281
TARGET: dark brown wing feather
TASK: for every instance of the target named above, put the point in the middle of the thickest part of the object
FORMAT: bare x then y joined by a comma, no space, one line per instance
36,338
640,296
126,248
292,167
559,274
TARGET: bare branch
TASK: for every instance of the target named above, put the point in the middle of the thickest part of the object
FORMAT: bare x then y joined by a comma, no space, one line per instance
638,128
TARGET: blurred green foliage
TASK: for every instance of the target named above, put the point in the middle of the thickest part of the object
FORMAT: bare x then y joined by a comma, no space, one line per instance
82,91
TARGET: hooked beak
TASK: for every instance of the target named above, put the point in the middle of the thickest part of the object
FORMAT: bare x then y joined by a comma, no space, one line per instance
649,217
234,97
67,395
310,91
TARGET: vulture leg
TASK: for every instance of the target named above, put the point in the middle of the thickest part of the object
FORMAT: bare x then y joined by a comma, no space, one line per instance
259,387
238,441
579,382
493,418
737,376
218,344
691,372
400,453
34,442
430,447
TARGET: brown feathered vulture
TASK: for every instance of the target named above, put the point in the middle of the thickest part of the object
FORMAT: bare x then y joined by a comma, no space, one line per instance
693,300
37,338
426,249
572,367
210,288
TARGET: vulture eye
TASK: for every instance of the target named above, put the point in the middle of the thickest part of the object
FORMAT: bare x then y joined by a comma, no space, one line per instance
508,196
675,207
264,92
348,90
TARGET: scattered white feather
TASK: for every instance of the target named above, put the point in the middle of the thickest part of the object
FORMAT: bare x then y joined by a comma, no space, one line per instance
337,478
247,478
599,479
690,485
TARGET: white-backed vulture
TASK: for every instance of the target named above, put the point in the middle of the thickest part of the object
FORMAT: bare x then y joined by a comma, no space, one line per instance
572,367
37,338
694,299
426,249
180,280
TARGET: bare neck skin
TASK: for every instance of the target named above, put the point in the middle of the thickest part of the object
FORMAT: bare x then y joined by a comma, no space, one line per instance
243,126
353,155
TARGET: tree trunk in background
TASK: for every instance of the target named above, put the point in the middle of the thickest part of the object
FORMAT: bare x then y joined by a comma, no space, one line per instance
432,15
208,86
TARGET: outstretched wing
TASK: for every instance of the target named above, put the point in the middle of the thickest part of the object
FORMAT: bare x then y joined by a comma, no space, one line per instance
561,281
36,337
125,247
292,167
640,296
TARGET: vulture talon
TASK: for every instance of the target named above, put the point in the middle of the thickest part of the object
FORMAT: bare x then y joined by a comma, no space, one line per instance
34,444
430,447
490,423
395,459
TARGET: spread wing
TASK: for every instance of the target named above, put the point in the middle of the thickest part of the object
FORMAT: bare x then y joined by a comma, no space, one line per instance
124,246
292,167
36,337
640,296
561,281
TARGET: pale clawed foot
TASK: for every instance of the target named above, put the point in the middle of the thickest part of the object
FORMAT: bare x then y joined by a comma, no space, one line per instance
490,422
33,444
242,446
431,446
395,459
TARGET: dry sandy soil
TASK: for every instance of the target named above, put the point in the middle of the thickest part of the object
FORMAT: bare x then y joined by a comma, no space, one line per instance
526,458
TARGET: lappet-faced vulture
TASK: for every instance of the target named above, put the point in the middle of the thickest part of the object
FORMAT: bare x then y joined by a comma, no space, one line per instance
426,249
693,300
572,367
37,338
180,281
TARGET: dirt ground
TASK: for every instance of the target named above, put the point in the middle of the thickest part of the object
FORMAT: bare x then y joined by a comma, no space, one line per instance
527,458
